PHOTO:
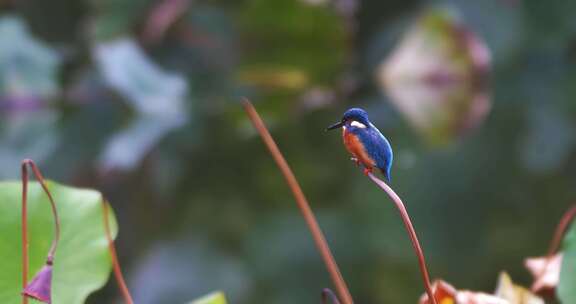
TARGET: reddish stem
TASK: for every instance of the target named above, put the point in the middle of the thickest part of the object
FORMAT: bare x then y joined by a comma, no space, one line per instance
115,263
50,259
557,240
161,17
302,203
42,181
327,293
411,232
560,229
25,262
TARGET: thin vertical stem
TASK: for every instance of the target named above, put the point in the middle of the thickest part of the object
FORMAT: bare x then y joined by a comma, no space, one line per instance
411,232
25,261
302,203
115,263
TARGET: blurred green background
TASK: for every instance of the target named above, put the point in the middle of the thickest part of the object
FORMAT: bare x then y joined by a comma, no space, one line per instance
140,99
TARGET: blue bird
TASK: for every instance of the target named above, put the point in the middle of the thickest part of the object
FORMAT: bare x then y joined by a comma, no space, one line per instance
364,141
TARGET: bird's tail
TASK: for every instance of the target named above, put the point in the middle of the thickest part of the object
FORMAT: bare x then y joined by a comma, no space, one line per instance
387,175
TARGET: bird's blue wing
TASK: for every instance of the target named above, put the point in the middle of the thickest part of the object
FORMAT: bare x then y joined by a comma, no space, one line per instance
377,147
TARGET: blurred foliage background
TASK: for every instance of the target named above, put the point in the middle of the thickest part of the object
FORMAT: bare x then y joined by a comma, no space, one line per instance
139,98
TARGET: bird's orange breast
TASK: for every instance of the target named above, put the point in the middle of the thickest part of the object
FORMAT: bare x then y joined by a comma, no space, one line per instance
356,148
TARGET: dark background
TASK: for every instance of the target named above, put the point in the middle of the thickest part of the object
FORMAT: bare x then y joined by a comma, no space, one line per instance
140,99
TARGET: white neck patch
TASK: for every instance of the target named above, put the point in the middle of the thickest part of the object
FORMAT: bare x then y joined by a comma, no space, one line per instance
358,125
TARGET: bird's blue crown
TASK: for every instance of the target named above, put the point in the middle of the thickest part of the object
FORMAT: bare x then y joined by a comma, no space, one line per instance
356,114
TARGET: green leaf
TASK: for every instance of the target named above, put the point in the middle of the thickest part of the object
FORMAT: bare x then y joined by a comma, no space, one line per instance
567,286
82,263
213,298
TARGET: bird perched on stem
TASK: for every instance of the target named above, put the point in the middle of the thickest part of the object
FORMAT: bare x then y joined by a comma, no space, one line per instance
364,141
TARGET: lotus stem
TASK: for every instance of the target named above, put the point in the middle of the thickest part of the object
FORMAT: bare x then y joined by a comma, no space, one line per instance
115,263
327,293
560,230
411,232
25,261
302,203
42,281
565,221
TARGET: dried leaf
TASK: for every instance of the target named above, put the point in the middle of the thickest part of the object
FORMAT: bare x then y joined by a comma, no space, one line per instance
447,294
443,292
546,272
470,297
515,294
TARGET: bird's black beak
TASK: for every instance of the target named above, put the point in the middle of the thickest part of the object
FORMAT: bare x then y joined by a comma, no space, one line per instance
335,126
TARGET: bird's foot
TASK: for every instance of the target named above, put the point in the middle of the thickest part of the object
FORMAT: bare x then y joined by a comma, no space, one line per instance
355,160
367,171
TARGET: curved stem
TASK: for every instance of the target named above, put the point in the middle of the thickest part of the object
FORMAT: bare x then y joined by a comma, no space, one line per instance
25,242
115,263
560,229
302,203
30,163
411,232
329,294
557,240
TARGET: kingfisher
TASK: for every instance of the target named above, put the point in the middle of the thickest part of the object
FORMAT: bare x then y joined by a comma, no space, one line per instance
364,141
